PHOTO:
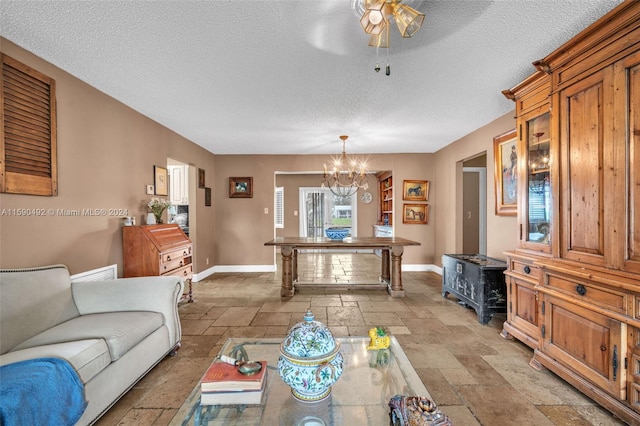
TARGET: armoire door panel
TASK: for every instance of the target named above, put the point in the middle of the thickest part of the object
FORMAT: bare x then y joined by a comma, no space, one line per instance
527,306
632,105
534,188
587,342
581,338
583,163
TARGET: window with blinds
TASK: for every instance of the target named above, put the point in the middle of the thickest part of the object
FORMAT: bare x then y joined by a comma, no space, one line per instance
28,138
279,207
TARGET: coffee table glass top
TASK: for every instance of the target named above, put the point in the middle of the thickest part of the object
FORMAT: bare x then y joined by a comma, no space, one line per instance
360,397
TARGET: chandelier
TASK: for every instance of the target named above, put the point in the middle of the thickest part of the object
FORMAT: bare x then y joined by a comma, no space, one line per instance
346,176
375,20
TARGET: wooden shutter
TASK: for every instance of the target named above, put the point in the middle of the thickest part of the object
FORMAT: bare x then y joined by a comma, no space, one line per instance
279,207
28,130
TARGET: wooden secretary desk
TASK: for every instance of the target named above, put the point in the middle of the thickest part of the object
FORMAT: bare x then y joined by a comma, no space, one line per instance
573,281
153,250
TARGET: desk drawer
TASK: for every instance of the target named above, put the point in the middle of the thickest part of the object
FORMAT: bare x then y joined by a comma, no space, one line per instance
174,264
185,272
174,255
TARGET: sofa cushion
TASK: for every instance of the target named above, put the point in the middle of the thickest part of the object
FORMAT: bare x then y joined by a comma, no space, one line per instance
32,301
120,330
88,357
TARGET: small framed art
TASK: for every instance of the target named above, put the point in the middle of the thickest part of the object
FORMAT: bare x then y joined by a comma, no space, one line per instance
415,213
201,178
160,180
241,187
207,197
415,190
505,174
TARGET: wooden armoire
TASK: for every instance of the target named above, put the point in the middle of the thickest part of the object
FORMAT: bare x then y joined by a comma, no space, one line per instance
573,281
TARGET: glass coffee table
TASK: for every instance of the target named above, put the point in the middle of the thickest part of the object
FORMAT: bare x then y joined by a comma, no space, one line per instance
360,397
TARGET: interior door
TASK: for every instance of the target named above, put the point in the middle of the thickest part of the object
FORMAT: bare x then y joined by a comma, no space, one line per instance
474,210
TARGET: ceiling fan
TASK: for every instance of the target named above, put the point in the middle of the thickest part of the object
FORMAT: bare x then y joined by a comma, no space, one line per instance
376,17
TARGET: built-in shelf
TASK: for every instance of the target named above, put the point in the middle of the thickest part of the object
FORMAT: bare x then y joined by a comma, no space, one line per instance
385,183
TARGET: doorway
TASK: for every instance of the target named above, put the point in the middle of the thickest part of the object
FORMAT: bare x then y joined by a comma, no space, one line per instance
474,206
321,209
181,195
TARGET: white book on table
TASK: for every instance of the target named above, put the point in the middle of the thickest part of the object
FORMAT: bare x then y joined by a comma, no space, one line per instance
233,397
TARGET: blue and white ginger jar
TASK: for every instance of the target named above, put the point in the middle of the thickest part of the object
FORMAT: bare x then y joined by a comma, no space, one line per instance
310,360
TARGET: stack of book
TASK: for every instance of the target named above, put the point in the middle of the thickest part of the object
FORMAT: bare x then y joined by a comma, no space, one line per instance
223,384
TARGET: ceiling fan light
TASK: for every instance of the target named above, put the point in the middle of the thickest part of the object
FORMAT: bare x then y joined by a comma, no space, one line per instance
407,19
373,19
371,28
376,18
380,40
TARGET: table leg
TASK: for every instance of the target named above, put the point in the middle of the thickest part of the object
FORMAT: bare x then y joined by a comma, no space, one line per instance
395,289
295,265
386,270
287,271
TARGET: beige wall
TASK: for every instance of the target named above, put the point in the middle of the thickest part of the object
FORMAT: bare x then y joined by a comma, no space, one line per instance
106,153
245,228
501,230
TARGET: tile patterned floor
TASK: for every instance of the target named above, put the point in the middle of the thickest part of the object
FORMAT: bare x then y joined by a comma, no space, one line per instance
474,375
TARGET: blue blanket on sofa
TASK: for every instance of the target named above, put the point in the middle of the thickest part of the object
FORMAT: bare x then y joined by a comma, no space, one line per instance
43,391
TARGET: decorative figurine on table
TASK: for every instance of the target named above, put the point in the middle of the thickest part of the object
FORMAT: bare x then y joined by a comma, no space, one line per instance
379,339
416,411
310,360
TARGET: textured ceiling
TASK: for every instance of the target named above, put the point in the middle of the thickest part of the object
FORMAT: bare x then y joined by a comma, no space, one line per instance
289,77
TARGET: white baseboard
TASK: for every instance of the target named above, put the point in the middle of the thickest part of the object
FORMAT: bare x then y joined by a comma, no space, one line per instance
245,268
273,268
232,268
421,268
204,274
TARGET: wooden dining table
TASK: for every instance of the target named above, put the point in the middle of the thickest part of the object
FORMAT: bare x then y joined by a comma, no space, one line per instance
391,249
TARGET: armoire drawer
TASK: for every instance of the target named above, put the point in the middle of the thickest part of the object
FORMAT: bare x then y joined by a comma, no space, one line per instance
588,292
524,269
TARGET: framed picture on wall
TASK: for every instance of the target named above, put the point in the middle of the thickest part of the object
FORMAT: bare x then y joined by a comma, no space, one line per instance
201,178
241,187
415,190
160,180
505,152
207,197
415,213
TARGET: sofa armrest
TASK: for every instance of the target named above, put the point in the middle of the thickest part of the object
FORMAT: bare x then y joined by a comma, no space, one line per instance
154,294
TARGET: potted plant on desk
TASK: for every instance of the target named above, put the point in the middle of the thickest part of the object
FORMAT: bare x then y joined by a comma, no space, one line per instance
156,206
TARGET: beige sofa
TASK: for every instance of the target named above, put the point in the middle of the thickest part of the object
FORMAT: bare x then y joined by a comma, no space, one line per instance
112,332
